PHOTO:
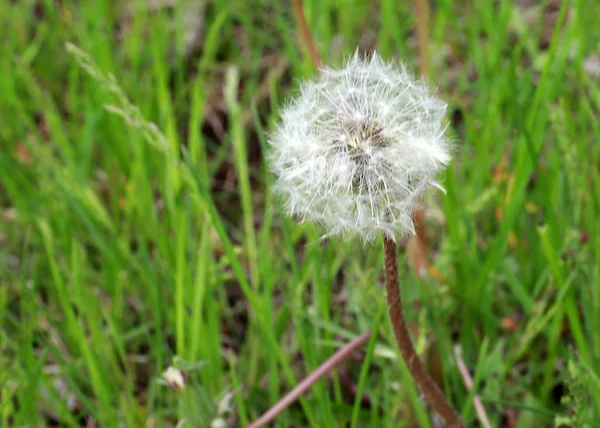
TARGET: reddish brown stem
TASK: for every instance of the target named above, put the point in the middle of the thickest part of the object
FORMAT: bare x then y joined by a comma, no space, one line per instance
428,387
419,261
309,381
306,34
422,7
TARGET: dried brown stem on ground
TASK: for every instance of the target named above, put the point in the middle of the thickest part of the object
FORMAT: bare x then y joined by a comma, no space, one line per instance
422,8
309,381
427,386
306,34
418,243
468,381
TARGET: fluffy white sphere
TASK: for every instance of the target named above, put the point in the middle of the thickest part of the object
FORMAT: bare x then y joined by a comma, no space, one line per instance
358,147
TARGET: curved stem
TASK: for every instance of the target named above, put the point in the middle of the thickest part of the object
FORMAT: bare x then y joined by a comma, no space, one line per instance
426,384
306,34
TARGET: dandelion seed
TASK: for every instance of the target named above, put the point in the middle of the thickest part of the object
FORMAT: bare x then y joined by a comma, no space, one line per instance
358,147
174,378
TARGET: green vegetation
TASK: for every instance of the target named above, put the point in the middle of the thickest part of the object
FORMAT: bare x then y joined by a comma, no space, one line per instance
137,222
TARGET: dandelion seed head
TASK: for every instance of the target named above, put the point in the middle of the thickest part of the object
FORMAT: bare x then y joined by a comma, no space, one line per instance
358,146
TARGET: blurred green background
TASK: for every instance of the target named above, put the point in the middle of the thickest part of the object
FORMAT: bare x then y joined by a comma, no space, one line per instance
137,223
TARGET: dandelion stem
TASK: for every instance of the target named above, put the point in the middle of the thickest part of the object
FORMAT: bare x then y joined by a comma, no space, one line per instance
426,384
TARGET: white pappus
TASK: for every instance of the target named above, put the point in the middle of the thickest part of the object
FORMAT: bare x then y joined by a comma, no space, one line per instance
356,149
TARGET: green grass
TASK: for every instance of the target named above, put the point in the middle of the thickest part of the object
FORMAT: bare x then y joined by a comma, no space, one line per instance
117,255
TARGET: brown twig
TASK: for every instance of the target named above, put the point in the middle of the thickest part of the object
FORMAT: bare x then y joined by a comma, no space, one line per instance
306,34
418,242
428,387
422,8
309,381
468,381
